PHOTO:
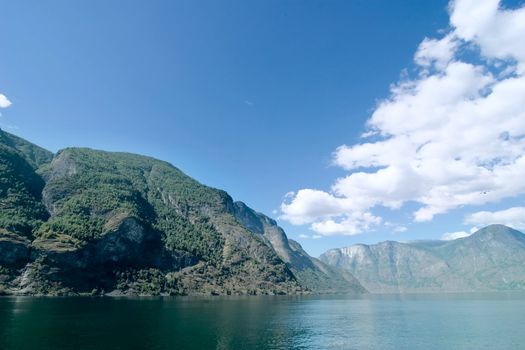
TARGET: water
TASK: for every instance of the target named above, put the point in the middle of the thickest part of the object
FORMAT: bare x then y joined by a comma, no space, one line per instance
491,321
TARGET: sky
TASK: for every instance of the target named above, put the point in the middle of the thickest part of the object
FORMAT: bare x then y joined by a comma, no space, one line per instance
347,121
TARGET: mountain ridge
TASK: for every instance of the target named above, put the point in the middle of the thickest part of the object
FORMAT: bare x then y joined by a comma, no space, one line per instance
490,259
84,221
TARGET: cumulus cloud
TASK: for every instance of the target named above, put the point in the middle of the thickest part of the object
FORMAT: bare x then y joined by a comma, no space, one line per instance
4,101
512,217
450,136
449,236
315,207
436,52
497,32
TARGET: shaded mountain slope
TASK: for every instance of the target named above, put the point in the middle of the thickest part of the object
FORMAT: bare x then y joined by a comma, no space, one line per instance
311,272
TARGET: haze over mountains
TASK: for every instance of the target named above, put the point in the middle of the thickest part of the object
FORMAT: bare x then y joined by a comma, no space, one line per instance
86,221
493,258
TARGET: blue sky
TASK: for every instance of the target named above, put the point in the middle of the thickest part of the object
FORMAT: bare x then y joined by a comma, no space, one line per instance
253,97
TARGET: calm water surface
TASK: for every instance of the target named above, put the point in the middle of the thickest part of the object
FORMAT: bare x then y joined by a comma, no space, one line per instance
488,321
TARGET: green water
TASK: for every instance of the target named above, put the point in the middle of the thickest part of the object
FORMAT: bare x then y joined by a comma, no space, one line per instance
489,321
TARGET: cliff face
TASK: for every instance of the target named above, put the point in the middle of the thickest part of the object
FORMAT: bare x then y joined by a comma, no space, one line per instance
310,272
85,221
491,259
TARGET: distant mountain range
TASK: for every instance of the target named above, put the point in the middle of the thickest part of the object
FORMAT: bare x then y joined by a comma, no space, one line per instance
492,258
91,222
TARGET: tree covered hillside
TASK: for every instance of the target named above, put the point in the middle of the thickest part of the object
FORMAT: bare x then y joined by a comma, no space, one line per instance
86,221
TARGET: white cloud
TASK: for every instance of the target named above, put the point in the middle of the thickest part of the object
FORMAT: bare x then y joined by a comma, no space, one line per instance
4,101
453,135
498,32
512,217
315,207
394,227
302,235
307,206
437,53
449,236
399,229
350,224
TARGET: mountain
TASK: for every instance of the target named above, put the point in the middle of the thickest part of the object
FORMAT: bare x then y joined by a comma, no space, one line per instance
492,258
313,273
92,222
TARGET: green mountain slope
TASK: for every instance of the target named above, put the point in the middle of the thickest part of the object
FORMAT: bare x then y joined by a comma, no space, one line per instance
86,221
491,259
21,210
34,155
